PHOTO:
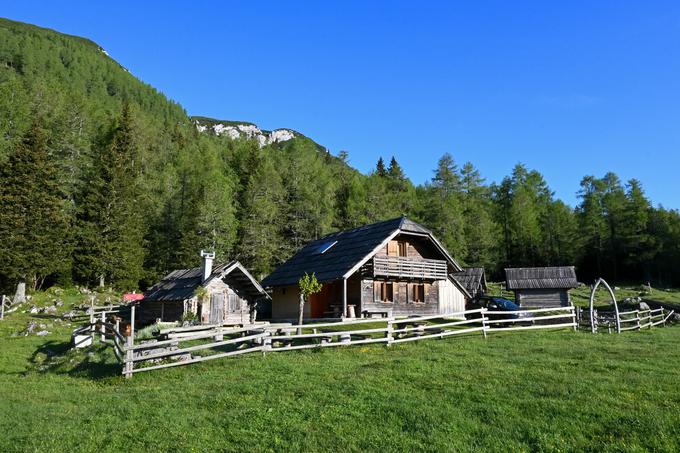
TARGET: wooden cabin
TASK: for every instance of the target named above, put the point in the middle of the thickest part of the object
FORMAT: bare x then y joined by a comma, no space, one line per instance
226,294
473,279
391,268
541,286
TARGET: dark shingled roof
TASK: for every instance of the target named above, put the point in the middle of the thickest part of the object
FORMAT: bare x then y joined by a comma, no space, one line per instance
351,248
472,279
541,278
181,284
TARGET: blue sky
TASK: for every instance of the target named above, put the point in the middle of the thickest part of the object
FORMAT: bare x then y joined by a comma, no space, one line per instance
567,88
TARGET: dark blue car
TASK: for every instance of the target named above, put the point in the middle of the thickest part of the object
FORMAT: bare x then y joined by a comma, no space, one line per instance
501,304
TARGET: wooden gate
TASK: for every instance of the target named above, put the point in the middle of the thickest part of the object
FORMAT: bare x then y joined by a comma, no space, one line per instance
217,308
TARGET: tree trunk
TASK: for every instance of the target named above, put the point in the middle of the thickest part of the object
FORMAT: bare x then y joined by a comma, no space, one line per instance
302,311
101,281
20,294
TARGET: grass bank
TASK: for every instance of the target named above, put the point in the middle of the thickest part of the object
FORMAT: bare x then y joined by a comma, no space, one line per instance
520,391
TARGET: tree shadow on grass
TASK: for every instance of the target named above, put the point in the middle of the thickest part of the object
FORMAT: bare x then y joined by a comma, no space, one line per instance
58,357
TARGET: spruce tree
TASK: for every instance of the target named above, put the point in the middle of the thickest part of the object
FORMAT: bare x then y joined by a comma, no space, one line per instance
260,233
380,169
34,225
111,215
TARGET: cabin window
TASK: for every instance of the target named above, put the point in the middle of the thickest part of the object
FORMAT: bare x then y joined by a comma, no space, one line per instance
383,291
417,292
397,248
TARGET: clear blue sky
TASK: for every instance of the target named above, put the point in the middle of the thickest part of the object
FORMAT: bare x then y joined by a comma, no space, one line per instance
567,88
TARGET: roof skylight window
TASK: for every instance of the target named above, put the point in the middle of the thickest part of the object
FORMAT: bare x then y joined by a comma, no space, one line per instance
326,246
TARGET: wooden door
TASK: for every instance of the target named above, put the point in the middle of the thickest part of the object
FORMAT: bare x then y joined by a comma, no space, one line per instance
217,308
320,302
234,307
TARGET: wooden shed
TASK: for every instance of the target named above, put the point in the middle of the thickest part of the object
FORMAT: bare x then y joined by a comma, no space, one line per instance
541,286
226,294
473,279
391,268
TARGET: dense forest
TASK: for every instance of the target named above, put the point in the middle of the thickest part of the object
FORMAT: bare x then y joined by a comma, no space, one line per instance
103,180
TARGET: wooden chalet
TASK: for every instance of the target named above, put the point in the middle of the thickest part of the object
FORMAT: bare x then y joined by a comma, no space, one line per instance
541,286
473,279
230,294
391,268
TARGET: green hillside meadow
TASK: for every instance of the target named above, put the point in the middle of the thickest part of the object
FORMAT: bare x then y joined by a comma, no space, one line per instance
524,391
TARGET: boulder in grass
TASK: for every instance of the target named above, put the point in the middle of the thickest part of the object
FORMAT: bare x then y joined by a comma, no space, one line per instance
644,306
42,333
34,310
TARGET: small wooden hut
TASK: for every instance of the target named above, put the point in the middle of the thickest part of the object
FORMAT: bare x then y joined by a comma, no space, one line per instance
473,279
541,286
226,294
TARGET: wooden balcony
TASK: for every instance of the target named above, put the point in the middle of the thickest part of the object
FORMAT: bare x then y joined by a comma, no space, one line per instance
400,267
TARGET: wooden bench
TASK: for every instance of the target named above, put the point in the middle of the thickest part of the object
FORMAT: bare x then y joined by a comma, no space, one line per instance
387,313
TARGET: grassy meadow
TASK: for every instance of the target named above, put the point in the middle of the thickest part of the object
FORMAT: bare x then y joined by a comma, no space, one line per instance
523,391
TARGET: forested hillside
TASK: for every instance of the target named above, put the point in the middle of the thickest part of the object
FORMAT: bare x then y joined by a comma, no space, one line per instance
105,180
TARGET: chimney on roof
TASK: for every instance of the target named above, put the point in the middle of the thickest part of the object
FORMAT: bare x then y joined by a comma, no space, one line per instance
206,267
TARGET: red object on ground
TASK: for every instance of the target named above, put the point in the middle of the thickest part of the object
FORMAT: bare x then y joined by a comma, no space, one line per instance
130,297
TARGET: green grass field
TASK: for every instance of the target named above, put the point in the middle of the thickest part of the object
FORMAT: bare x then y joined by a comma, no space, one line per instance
523,391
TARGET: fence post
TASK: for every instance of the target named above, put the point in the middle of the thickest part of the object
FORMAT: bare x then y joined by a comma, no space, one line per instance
92,328
129,352
267,342
663,318
574,318
390,328
637,315
103,327
484,322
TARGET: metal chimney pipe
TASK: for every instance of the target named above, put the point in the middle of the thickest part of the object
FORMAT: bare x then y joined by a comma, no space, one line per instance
207,265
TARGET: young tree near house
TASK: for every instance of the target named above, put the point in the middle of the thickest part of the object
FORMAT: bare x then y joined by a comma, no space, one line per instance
308,285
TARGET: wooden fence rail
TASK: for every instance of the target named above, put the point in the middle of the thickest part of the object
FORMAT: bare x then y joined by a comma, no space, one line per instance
628,320
5,305
181,344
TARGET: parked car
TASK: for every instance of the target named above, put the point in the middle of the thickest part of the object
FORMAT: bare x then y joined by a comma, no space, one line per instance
493,303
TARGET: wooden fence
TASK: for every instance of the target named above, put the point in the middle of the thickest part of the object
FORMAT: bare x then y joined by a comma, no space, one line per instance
5,306
621,321
183,346
558,317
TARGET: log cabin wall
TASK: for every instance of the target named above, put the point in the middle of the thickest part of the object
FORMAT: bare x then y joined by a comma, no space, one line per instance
235,309
413,247
166,311
402,304
538,298
285,303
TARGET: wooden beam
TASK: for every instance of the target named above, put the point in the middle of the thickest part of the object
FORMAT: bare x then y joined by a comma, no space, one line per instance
344,297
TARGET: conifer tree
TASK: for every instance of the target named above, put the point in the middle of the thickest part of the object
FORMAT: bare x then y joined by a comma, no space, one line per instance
34,226
111,216
261,241
380,169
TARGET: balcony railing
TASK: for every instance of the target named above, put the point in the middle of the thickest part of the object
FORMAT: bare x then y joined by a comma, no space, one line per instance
396,266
